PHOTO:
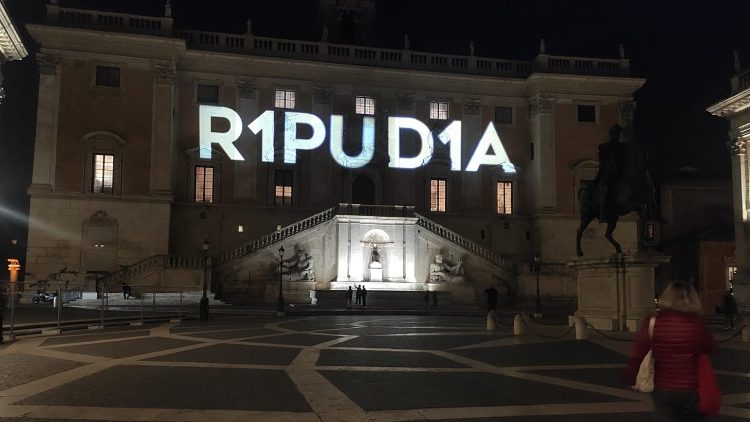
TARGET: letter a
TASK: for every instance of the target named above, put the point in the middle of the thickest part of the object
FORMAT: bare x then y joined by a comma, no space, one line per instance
490,139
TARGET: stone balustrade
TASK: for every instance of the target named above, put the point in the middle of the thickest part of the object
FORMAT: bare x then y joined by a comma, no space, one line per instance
276,236
147,264
108,21
471,246
376,210
337,53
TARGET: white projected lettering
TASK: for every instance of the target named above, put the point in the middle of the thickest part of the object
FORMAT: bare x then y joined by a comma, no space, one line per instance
489,151
292,143
337,146
395,124
490,139
224,139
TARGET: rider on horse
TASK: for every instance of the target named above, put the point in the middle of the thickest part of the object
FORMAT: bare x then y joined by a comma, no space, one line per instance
613,155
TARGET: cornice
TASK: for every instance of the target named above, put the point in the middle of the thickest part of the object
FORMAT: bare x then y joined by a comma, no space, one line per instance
11,46
731,105
110,43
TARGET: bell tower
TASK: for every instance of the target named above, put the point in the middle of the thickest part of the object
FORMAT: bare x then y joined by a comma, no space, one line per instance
346,21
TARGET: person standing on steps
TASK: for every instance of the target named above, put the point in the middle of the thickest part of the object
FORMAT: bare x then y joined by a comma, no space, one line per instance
349,298
364,296
359,295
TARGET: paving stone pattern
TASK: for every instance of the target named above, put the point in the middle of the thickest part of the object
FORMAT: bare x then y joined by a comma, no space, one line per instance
334,368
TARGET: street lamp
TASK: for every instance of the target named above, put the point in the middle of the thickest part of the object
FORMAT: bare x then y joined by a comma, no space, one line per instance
280,300
204,300
536,266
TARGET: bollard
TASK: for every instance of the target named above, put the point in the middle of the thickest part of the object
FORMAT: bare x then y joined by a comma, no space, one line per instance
746,334
582,332
60,301
491,324
517,325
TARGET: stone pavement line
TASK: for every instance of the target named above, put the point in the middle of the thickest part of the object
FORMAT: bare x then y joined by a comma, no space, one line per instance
507,411
154,414
327,401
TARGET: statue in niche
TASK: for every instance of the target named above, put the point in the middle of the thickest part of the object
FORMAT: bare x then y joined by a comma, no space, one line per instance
441,271
299,267
375,255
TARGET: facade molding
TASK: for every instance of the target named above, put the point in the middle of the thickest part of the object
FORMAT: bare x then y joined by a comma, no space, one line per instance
11,46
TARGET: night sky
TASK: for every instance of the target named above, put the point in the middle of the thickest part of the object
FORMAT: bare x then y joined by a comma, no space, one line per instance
683,49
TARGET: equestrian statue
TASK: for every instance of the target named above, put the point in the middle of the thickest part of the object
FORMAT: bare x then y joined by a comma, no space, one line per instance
622,185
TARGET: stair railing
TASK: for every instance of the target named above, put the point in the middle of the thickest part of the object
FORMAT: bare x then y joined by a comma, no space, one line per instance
498,260
276,236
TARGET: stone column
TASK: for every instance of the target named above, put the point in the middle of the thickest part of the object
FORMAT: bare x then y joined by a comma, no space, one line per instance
245,172
543,166
45,145
473,197
162,130
740,186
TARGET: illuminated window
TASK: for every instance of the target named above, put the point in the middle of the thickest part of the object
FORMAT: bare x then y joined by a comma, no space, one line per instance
365,105
504,197
207,94
108,76
438,110
586,113
284,98
437,195
104,166
283,187
504,115
731,272
204,184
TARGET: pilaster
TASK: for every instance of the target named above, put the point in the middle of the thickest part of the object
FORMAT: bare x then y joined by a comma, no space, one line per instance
740,188
245,172
543,166
45,144
162,130
471,132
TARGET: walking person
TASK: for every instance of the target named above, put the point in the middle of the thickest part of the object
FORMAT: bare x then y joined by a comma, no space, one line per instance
359,295
364,296
676,341
729,309
349,298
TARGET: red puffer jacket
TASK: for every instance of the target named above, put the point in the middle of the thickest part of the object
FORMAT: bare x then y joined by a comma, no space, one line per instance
678,340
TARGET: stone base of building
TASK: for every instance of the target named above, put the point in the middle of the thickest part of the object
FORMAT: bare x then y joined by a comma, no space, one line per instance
615,293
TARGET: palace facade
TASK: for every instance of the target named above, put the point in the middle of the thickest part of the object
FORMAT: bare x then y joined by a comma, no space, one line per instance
119,175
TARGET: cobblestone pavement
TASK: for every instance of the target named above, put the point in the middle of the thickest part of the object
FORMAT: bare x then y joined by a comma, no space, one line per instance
334,368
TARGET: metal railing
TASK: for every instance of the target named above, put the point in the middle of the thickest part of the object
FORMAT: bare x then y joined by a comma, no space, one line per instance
276,236
31,308
501,261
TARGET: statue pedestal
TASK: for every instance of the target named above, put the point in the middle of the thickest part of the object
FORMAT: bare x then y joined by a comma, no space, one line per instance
615,293
376,272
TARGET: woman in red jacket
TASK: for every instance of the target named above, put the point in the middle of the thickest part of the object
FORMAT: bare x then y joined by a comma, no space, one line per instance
679,337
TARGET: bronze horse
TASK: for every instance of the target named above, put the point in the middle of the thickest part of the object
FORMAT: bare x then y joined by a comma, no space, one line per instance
634,192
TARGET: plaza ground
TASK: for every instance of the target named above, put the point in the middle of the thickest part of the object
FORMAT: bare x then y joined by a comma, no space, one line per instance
335,368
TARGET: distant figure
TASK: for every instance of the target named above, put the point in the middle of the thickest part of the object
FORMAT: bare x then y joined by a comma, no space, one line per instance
359,295
491,293
125,290
427,299
434,299
364,296
612,157
349,298
729,309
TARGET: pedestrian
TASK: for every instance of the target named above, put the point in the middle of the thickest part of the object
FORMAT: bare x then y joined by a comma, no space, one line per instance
491,293
729,309
434,299
349,298
678,338
364,296
125,290
359,295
